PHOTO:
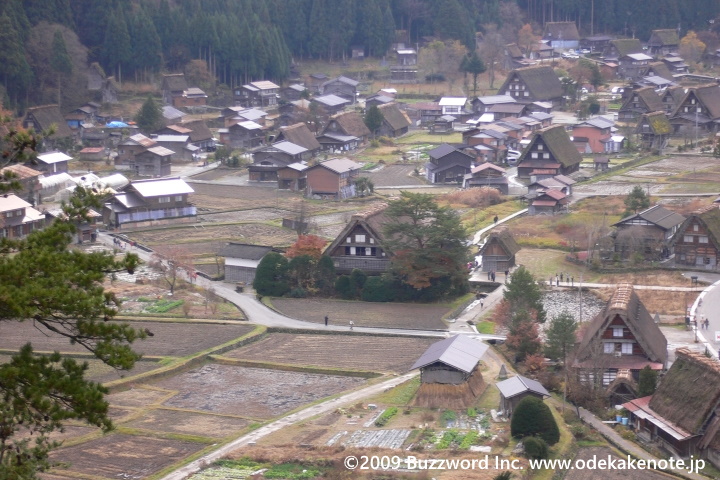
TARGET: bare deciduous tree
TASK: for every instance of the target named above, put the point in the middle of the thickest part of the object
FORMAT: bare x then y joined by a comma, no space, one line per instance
172,262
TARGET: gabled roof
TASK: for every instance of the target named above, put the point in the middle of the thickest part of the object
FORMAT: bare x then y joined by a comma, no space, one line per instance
299,134
443,150
351,123
660,69
171,113
244,251
331,100
175,82
487,166
625,46
179,129
495,99
658,122
199,130
648,97
639,56
139,139
513,50
247,125
709,216
518,384
160,151
339,165
156,187
709,96
396,118
21,171
372,221
460,352
558,142
48,115
289,147
10,201
512,108
541,81
53,157
453,101
264,85
505,239
343,79
660,216
640,407
689,392
597,122
626,304
561,31
664,37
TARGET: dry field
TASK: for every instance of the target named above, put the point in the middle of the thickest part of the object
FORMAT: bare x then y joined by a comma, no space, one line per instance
188,423
124,456
231,197
377,354
170,339
398,174
252,393
365,314
208,239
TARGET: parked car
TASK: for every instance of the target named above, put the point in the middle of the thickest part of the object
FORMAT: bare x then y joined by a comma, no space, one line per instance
570,56
617,90
512,157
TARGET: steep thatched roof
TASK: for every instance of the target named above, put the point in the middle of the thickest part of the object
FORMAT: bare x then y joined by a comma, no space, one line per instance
626,46
647,97
626,304
351,123
48,115
395,117
660,69
708,216
689,392
372,221
513,50
561,31
504,238
664,37
557,140
658,122
541,81
709,96
200,131
174,82
299,134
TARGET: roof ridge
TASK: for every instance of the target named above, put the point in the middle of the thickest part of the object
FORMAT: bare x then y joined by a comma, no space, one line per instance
698,357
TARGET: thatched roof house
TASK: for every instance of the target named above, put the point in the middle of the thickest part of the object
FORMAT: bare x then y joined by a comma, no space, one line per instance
498,251
697,241
299,134
549,149
533,84
395,121
640,101
449,373
348,123
682,413
619,342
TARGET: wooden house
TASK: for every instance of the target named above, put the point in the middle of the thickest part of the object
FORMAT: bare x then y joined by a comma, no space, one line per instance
29,180
681,416
243,135
514,389
549,149
498,251
698,109
18,218
533,84
621,47
263,93
152,162
482,105
597,130
443,125
173,86
676,65
424,112
697,241
150,200
200,134
487,175
293,92
447,165
349,124
514,57
314,82
641,101
332,179
558,182
42,118
236,114
548,202
671,98
653,131
131,146
52,163
619,342
596,43
292,177
647,233
242,260
300,134
268,160
341,86
453,105
92,154
330,104
562,35
192,97
450,376
395,122
183,150
172,115
659,69
359,245
378,99
663,42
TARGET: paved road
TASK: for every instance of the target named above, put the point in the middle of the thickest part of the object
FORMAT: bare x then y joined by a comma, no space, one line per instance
707,306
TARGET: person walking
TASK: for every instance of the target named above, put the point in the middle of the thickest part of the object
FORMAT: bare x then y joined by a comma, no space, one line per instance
707,324
326,320
352,324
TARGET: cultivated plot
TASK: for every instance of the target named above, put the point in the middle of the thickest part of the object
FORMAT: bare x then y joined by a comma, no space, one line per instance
188,423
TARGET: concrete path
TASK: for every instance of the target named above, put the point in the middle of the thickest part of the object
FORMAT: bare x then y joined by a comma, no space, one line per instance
327,406
478,235
574,284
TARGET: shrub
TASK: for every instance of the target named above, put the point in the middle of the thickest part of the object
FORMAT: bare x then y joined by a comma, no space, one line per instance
448,416
532,417
471,412
297,293
342,286
386,141
385,417
468,440
535,447
164,306
476,197
376,290
435,77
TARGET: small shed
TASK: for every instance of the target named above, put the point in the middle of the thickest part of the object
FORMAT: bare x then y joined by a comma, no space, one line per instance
449,373
515,389
242,260
601,163
498,251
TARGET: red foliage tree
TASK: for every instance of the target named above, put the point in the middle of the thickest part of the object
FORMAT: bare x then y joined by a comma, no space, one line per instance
311,245
524,339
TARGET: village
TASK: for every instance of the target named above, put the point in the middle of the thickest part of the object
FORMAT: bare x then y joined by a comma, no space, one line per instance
393,257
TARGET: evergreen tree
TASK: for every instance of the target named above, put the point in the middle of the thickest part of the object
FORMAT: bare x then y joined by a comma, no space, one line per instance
373,119
117,46
637,200
271,276
648,381
531,417
15,73
146,45
473,65
325,275
319,28
150,115
452,21
523,293
60,61
560,336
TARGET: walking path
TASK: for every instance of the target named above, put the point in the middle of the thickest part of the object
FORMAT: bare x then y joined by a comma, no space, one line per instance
565,284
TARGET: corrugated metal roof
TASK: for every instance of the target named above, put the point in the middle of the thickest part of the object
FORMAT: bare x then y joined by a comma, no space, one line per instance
161,186
495,99
331,100
172,138
289,148
519,384
11,201
453,101
460,352
53,157
250,125
160,151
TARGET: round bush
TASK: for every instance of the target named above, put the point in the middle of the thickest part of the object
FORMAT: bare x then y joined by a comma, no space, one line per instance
535,447
533,418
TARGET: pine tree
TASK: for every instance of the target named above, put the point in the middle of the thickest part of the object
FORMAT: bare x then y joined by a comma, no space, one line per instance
523,293
271,276
373,119
117,46
636,201
146,45
60,62
647,382
149,116
15,73
560,336
473,65
531,417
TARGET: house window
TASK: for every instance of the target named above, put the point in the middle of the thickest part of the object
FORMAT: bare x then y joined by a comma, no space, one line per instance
178,198
546,155
360,238
687,109
609,377
703,239
163,199
352,250
618,332
372,240
609,347
349,240
540,146
368,251
695,227
534,155
688,238
527,94
707,260
627,348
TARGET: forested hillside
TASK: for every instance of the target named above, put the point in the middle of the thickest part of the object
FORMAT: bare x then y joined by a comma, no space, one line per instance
46,43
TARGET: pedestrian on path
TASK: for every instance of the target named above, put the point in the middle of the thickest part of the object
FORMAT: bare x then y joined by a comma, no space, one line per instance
572,281
495,219
561,276
352,324
707,324
326,320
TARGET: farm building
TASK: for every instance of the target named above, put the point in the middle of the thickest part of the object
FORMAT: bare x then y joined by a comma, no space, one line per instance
498,252
449,373
241,261
515,389
619,342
